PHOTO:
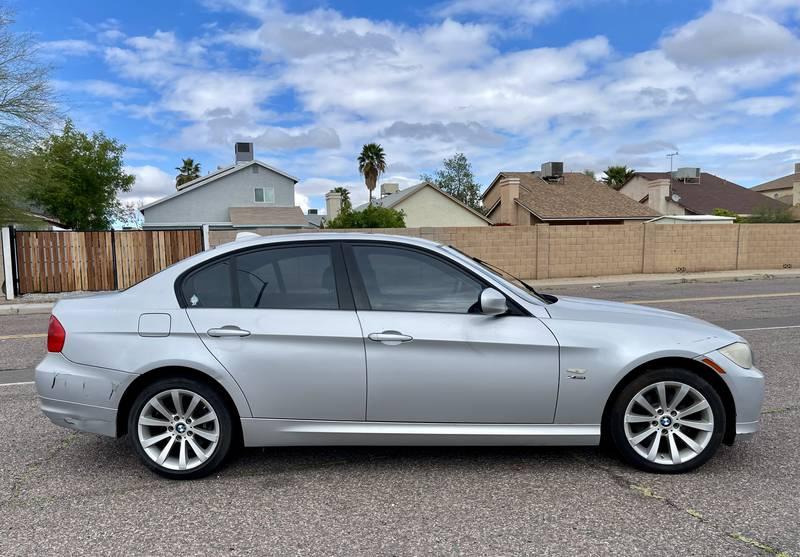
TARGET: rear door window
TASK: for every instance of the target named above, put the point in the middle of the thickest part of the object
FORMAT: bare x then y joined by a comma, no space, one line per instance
298,277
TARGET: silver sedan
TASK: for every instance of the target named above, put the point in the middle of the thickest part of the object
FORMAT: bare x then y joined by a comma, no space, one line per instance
365,339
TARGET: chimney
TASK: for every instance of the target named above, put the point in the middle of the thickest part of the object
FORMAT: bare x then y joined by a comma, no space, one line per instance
797,168
333,204
796,193
243,152
509,191
389,188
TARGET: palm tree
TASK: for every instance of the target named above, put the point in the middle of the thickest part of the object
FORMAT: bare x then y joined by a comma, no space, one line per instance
187,172
371,164
617,176
347,206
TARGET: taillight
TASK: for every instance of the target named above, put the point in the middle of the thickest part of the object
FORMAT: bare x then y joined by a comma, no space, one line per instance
56,335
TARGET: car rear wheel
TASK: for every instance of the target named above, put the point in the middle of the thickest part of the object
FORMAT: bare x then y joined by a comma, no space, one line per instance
180,428
668,421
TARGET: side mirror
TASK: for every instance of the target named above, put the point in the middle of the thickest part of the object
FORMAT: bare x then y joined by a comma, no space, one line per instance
493,302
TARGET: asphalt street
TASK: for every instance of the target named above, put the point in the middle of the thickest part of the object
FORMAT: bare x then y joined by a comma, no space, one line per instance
64,493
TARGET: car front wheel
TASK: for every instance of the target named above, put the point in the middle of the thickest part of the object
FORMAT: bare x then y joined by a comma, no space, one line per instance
667,421
180,428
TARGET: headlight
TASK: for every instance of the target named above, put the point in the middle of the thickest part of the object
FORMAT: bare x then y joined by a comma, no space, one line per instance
739,353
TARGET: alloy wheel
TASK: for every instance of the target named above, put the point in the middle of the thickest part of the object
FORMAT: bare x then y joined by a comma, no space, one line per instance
669,422
178,429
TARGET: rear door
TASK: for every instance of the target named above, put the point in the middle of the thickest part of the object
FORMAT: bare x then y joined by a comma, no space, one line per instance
281,319
433,357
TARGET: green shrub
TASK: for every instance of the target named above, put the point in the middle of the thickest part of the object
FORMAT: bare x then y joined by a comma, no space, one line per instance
372,216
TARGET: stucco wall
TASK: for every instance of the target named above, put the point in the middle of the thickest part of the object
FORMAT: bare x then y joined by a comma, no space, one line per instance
544,251
428,207
210,203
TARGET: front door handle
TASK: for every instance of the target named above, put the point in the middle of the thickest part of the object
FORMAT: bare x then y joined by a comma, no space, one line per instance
228,331
390,337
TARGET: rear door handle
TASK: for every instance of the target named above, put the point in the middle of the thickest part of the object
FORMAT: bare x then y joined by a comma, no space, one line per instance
390,337
228,331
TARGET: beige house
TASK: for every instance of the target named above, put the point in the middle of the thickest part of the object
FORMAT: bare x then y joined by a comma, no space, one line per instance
422,205
785,189
556,197
692,192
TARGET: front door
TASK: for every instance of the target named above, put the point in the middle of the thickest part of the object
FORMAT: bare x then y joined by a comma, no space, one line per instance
279,319
432,357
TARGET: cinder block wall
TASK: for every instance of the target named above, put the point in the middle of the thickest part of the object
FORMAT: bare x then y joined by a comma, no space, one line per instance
577,251
544,251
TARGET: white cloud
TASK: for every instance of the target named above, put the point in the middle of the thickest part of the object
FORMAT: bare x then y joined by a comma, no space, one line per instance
529,11
762,106
722,37
151,183
96,88
66,47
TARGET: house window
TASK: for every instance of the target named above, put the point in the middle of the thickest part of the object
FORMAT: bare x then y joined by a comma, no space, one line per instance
264,195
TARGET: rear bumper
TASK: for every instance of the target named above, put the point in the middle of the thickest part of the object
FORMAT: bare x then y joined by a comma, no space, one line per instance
80,397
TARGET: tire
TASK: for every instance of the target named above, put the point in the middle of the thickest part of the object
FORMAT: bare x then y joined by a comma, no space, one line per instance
199,440
688,431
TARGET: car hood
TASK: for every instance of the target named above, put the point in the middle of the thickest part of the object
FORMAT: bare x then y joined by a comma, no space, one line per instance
681,328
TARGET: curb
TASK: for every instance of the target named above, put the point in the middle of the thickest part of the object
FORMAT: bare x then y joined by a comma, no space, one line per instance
26,309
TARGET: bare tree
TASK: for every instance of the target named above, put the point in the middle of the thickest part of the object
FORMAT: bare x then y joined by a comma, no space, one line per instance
27,108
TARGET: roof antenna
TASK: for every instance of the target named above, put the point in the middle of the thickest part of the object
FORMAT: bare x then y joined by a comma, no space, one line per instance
670,156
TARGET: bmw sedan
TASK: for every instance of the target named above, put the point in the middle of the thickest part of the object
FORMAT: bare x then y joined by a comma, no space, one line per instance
366,339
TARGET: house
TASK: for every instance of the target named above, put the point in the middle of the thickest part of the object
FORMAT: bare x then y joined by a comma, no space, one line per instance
785,189
692,192
423,205
553,196
248,193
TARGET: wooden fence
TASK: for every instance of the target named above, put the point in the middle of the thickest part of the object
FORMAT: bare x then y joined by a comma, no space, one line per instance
69,261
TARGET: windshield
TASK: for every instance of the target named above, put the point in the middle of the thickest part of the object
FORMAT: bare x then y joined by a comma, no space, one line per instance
520,287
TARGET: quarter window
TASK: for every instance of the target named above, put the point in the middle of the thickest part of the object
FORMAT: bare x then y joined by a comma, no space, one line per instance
209,287
398,279
287,278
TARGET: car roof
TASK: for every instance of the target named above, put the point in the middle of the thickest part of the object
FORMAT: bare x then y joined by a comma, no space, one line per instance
316,236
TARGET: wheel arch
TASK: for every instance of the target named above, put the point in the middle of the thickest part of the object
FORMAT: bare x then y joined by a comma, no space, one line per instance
686,363
145,379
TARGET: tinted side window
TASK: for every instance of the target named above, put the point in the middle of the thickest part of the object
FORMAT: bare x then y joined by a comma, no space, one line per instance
398,279
287,278
210,287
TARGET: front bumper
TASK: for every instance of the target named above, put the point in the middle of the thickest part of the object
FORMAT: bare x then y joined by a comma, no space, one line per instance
747,389
80,397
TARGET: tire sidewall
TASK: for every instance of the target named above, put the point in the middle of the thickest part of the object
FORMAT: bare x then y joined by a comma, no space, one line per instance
616,426
224,417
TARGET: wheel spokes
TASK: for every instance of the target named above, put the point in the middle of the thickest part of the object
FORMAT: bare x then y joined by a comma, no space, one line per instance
662,432
172,439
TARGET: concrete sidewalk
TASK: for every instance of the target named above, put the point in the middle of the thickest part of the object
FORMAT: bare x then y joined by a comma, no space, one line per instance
669,278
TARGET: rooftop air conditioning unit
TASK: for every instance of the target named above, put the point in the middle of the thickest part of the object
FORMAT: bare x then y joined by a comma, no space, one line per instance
244,152
552,170
389,188
687,173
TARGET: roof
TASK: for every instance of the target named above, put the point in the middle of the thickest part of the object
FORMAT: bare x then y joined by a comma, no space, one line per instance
712,192
315,220
782,183
575,197
216,175
390,201
267,216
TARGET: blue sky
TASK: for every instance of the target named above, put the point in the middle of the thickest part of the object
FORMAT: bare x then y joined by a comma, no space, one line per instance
510,84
